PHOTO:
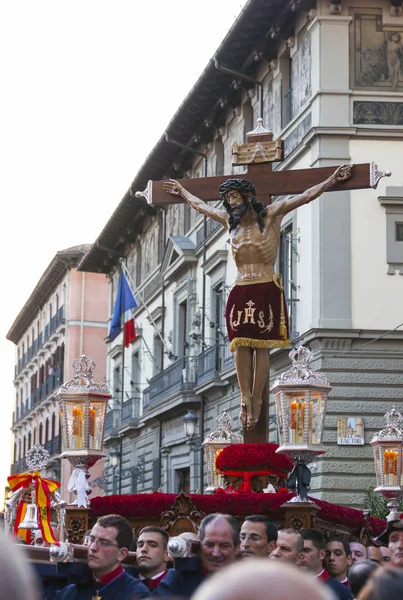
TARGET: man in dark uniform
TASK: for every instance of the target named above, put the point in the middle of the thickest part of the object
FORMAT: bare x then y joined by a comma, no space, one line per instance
313,555
109,543
219,546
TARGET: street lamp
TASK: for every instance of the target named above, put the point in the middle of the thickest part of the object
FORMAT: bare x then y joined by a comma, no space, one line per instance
114,456
190,421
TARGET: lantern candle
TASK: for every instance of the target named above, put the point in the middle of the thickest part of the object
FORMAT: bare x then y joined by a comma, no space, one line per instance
294,421
76,432
390,467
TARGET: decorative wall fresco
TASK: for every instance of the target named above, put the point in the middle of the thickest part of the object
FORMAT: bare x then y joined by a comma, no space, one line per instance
297,135
377,52
378,113
301,74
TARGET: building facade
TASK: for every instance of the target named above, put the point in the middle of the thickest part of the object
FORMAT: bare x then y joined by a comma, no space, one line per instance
65,316
328,85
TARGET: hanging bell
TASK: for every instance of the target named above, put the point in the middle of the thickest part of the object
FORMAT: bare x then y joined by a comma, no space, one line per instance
30,520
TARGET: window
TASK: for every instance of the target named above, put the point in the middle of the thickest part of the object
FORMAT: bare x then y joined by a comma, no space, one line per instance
40,433
182,329
135,381
53,426
157,351
117,380
182,481
393,204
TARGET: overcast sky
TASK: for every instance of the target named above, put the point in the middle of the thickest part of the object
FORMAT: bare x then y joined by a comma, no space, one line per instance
87,88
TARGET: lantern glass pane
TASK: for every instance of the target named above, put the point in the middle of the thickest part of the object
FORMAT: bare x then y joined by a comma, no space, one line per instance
280,419
96,424
378,460
294,403
73,421
391,464
317,403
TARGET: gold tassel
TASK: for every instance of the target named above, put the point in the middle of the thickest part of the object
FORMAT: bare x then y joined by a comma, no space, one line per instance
251,343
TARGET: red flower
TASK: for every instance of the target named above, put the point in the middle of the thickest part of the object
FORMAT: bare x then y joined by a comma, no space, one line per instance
240,505
241,456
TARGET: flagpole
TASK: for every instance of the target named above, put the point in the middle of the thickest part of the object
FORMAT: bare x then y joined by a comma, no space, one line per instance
121,414
137,294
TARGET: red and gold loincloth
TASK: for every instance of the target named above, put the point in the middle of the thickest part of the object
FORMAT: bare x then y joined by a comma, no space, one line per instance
256,314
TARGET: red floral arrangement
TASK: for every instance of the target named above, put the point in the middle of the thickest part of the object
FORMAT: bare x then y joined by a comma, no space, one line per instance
240,505
246,456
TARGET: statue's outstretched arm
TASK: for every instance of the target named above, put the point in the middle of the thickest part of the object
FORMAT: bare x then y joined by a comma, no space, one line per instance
176,189
285,206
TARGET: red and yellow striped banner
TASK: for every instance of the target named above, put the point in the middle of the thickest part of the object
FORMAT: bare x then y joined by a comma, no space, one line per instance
43,490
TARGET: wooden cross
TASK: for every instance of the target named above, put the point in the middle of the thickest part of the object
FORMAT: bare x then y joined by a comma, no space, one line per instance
258,154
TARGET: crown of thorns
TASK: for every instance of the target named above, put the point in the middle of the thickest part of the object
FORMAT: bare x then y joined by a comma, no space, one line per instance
242,185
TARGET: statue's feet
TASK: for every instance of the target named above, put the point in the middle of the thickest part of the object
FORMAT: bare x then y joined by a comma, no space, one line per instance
243,416
256,410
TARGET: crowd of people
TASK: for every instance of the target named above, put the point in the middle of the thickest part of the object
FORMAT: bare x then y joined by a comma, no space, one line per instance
225,561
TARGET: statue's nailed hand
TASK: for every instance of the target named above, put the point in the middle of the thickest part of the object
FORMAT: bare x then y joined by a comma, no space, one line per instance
343,172
172,187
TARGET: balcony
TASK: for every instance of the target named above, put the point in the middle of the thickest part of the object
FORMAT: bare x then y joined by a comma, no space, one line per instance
112,422
178,377
130,412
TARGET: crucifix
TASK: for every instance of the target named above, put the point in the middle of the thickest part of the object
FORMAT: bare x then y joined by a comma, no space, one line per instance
256,311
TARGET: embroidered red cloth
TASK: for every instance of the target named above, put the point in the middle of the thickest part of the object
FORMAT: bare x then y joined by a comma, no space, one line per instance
256,316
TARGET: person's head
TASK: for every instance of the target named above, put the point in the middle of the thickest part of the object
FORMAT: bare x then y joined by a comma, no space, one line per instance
219,538
384,584
314,551
258,536
152,555
359,574
396,548
385,555
289,546
358,552
260,579
338,558
109,543
375,554
39,541
18,580
239,197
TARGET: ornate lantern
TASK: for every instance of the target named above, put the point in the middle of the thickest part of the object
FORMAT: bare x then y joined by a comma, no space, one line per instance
82,403
300,396
213,444
387,445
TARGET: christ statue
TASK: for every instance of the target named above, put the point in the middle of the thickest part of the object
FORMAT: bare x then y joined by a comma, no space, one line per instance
256,312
